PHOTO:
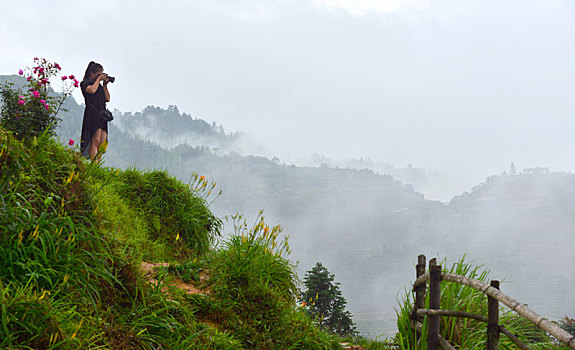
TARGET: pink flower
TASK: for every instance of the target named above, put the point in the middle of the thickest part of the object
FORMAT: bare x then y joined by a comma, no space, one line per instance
21,102
71,142
43,102
57,66
36,94
64,77
29,78
47,106
41,70
21,97
72,77
18,116
75,83
21,72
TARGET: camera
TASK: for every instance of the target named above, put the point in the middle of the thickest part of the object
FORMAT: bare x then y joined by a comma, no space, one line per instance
110,78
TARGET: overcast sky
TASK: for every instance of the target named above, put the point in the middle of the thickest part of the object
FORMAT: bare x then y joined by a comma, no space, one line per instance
461,86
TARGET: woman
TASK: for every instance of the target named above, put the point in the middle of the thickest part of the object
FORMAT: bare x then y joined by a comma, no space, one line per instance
94,129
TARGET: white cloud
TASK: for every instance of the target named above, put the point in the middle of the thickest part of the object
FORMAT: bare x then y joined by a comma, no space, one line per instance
363,7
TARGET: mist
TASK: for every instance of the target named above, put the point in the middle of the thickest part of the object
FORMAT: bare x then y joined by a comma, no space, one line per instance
464,88
393,125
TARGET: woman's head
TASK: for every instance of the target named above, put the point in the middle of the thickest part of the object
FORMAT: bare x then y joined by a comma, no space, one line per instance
93,70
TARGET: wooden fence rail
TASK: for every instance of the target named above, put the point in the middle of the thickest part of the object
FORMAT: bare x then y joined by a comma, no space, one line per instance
495,296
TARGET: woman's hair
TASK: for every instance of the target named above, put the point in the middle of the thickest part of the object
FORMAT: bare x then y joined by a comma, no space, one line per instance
93,67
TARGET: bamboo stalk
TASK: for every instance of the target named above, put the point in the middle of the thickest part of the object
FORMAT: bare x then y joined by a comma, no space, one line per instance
451,313
421,280
541,322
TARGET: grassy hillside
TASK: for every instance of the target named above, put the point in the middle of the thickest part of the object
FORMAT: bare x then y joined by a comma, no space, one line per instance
94,257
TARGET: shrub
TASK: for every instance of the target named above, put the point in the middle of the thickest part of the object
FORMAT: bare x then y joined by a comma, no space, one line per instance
30,111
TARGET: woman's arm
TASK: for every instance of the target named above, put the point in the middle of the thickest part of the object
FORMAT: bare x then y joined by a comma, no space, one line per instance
91,89
106,92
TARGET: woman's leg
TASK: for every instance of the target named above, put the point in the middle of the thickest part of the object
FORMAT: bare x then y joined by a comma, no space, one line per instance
103,137
95,143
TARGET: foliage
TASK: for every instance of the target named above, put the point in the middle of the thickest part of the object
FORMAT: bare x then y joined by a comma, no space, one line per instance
372,344
176,214
169,128
567,324
255,285
462,332
324,301
29,113
73,235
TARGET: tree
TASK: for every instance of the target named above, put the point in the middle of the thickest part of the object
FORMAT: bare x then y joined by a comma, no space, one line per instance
324,301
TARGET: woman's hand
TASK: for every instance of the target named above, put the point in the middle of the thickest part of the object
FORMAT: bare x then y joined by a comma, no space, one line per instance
94,87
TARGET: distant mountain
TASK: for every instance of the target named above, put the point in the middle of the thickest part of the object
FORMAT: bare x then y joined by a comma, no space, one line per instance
169,128
533,189
433,183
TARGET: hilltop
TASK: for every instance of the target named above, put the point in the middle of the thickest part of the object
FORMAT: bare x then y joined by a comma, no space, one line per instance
91,255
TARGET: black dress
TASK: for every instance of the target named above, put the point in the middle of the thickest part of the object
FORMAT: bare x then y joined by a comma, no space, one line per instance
92,121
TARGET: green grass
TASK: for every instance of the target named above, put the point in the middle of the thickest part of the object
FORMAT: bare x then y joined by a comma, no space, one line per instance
254,284
73,236
171,218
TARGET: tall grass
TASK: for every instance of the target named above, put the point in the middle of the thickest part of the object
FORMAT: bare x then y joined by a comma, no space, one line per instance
255,283
65,284
73,235
48,248
175,216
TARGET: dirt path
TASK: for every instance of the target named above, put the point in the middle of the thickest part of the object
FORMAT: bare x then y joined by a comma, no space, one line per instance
149,274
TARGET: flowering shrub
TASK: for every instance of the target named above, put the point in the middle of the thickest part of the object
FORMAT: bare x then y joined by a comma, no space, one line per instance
33,109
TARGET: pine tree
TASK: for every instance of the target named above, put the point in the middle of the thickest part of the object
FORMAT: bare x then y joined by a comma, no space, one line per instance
324,301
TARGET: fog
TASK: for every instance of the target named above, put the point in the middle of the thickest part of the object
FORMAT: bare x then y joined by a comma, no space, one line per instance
453,90
462,87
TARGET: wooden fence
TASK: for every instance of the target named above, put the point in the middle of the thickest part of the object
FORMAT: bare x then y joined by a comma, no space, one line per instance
494,296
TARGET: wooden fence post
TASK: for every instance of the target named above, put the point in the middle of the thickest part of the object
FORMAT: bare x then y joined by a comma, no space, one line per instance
492,320
434,303
420,290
